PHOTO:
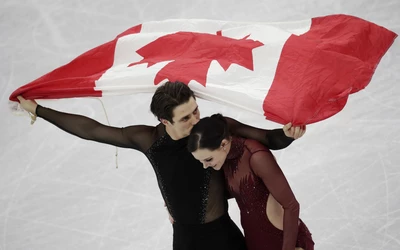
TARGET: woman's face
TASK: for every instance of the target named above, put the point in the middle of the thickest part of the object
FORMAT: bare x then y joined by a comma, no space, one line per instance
212,158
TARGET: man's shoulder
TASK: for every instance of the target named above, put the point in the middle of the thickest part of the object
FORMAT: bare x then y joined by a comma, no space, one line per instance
254,146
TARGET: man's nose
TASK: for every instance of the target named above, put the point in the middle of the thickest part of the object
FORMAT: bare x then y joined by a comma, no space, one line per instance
195,120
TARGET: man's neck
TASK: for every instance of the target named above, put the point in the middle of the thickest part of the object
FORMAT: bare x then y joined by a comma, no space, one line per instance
173,134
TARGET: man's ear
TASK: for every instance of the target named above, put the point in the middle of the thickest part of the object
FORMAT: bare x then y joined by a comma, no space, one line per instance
164,121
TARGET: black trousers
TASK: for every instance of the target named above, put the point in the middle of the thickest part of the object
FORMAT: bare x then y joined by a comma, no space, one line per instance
220,234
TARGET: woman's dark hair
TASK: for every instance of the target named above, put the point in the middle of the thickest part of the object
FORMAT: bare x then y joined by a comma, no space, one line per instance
167,97
208,133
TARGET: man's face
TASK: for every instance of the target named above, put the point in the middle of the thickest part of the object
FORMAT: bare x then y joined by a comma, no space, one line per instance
184,116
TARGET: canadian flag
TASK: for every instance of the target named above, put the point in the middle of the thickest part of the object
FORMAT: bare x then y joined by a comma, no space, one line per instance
300,72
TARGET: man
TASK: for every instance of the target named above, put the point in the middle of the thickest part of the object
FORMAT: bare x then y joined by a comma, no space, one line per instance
194,196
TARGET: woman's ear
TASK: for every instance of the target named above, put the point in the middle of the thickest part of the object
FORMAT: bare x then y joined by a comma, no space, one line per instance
224,142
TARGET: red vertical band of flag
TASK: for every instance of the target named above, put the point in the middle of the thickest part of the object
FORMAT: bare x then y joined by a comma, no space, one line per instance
320,68
77,78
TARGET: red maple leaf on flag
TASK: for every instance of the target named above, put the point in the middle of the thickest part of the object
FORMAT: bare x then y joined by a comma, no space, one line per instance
190,55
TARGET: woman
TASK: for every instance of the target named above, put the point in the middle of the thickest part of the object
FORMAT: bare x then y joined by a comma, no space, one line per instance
269,210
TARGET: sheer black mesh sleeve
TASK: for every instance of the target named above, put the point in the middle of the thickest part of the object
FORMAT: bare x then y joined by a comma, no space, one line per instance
139,137
273,139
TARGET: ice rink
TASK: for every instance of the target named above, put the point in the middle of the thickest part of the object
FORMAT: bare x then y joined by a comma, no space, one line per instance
60,192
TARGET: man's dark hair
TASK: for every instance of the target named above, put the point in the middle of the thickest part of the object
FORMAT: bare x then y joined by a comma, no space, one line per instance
167,97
